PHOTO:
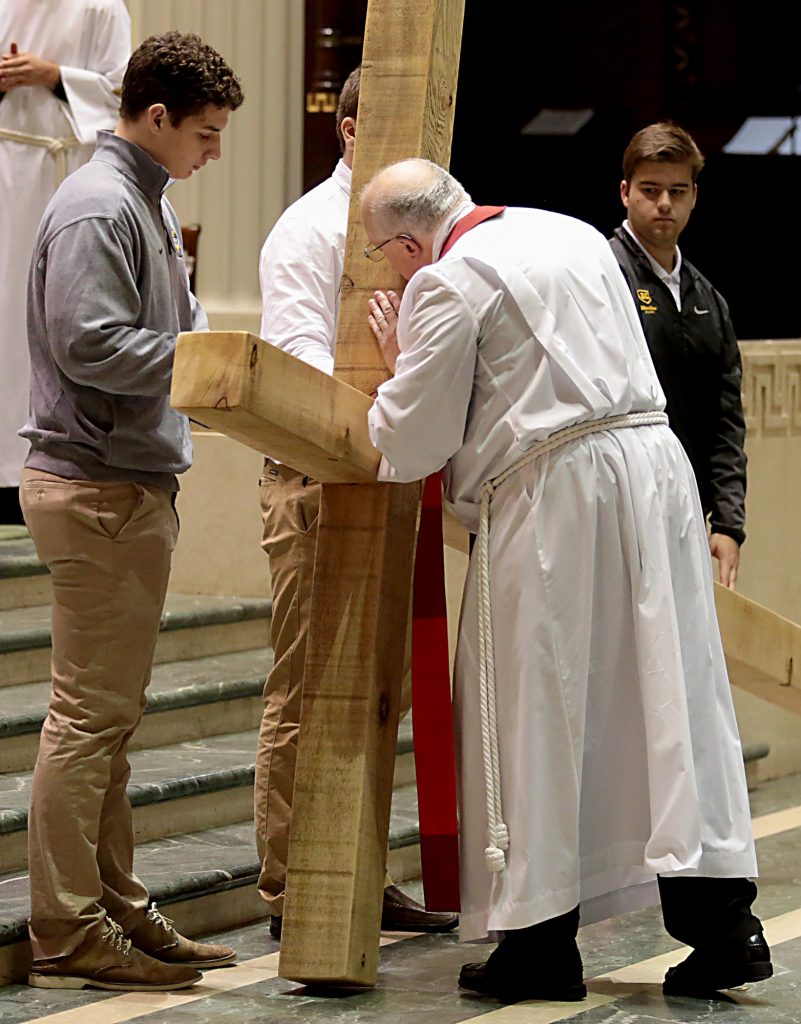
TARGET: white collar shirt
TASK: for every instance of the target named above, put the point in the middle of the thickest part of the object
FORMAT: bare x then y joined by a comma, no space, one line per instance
671,279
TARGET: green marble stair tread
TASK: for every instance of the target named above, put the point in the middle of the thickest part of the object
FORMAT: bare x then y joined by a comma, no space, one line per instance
207,765
405,743
12,532
195,864
18,558
175,684
162,773
26,628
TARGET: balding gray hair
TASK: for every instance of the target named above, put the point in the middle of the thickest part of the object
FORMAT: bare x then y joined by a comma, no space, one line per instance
420,208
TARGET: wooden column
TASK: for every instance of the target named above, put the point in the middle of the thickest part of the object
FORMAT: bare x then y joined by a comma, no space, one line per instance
354,665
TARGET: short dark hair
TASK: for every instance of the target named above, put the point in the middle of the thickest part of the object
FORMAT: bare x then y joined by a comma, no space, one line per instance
664,142
348,104
181,71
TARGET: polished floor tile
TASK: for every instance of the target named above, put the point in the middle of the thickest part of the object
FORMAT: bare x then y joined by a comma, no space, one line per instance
624,960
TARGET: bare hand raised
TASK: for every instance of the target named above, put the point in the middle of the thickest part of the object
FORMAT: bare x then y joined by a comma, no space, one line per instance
383,321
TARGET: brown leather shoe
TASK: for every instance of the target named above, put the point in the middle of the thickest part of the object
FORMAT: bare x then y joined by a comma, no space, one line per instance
400,913
111,962
156,936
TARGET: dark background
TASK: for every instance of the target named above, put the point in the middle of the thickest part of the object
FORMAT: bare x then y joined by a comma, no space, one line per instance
706,65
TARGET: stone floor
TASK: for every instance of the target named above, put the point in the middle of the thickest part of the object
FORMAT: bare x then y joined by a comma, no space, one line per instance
624,961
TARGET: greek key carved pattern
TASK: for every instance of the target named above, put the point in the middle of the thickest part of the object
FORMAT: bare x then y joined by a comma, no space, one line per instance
772,387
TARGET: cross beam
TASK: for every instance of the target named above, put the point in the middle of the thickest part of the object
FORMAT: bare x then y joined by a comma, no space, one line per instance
763,649
266,399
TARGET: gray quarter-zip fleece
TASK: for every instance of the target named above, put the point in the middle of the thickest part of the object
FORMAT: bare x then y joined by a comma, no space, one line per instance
107,295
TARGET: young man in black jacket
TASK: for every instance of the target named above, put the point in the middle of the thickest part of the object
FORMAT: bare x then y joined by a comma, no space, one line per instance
687,326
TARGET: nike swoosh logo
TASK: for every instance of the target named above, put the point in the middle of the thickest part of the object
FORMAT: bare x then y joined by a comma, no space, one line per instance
700,312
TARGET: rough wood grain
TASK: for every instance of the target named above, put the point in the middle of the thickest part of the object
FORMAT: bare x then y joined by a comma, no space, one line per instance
365,544
264,398
763,649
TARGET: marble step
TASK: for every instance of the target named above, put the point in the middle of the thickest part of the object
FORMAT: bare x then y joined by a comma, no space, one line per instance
180,787
191,627
186,700
24,581
205,880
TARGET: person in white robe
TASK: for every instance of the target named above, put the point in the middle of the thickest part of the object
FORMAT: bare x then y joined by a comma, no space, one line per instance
61,65
597,744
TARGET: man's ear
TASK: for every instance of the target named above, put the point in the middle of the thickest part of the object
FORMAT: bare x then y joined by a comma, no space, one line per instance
624,192
412,247
348,131
157,118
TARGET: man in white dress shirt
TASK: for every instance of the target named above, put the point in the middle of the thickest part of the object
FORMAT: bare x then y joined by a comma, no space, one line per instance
598,749
300,271
61,65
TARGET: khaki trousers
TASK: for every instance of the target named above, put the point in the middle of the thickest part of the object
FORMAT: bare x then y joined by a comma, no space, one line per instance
290,504
108,548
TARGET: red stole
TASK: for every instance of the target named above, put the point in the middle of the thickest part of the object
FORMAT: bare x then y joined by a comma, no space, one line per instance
431,687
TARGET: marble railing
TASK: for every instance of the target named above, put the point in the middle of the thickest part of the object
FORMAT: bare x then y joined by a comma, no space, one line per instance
772,387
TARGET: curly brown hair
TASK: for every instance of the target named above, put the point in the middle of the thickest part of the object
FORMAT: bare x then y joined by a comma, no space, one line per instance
181,71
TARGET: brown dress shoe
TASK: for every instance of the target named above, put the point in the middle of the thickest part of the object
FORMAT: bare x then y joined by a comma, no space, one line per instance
156,936
111,962
400,913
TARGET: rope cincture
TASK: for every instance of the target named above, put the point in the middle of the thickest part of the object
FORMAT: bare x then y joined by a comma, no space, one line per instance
57,148
497,831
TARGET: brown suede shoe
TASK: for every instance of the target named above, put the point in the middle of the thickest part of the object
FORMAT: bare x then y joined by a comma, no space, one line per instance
400,913
111,962
156,936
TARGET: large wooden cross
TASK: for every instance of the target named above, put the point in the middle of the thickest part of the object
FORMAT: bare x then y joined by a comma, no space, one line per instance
364,560
243,387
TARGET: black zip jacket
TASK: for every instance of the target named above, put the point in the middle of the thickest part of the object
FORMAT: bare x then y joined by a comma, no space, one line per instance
698,364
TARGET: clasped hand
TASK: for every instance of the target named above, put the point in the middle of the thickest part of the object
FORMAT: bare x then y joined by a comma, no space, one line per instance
18,69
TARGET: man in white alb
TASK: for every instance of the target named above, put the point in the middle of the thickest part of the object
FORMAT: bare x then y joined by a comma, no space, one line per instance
61,65
598,748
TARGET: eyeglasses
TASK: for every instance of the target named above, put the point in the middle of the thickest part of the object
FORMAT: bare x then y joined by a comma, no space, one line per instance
375,252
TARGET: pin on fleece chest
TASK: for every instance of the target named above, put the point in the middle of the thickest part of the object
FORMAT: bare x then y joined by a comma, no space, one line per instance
175,242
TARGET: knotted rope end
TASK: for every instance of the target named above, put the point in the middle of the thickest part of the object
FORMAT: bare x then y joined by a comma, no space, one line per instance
494,854
495,858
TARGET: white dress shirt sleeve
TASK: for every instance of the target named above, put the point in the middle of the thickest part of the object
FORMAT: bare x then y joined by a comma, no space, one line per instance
300,271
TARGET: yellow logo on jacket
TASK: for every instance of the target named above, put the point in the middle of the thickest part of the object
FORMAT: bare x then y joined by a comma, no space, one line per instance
646,302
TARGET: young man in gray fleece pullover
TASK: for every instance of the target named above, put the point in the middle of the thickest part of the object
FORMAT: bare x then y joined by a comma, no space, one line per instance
108,294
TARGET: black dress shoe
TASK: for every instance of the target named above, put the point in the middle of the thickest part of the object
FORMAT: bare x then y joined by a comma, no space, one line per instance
706,971
400,913
539,962
513,986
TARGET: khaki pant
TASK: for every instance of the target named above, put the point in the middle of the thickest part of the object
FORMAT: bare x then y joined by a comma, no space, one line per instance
108,548
290,504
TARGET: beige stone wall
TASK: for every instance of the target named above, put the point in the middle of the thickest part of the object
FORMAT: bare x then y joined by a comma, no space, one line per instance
770,571
771,557
218,548
237,199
